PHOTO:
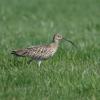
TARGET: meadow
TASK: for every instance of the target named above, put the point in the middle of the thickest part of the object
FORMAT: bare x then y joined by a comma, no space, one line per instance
73,73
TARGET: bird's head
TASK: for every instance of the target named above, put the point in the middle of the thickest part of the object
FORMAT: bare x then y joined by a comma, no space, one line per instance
57,37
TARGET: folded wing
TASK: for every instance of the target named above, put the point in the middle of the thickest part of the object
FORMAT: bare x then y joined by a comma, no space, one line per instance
36,52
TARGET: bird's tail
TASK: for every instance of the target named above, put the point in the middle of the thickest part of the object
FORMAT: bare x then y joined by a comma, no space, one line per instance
20,53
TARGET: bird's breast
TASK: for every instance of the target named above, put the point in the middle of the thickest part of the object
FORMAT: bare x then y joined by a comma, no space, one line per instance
52,51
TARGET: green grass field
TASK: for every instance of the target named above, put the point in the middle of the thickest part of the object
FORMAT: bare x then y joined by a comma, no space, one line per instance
73,73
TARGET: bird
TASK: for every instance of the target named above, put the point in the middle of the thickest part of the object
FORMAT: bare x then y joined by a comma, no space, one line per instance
40,53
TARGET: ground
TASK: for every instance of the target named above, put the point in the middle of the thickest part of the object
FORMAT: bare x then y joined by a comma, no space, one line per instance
73,73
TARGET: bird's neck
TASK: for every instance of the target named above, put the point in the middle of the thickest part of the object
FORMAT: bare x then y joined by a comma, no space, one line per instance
56,42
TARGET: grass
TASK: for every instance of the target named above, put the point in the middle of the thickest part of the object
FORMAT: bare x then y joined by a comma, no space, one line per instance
72,74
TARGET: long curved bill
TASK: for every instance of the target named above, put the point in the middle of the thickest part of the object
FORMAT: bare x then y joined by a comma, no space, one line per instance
70,42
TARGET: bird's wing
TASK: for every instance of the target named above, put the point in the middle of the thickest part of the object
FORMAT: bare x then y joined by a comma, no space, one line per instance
39,52
36,52
24,52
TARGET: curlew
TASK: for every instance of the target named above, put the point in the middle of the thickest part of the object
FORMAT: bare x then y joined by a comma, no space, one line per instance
41,52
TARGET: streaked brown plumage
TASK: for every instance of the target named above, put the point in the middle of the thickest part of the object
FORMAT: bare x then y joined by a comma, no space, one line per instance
40,52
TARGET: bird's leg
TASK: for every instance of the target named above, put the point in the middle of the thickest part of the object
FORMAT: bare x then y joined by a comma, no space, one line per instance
39,63
29,61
